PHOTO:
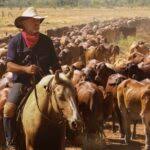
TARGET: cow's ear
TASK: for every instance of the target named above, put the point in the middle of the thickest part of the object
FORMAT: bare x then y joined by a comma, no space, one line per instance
51,71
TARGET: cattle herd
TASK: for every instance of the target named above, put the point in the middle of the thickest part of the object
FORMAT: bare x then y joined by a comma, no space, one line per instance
104,87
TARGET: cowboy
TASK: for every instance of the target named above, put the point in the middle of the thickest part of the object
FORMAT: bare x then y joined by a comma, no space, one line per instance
30,54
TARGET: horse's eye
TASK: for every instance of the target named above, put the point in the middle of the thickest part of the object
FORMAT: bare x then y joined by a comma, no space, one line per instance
46,87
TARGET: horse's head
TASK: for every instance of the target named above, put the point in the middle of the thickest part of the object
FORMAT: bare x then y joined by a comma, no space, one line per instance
63,98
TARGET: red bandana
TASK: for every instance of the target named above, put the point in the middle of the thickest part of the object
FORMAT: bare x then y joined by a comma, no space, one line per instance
30,40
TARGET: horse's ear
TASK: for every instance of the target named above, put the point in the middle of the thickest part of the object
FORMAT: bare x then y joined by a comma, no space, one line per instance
69,75
51,71
57,79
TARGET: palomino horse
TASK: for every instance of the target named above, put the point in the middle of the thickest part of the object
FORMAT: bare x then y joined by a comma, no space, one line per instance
46,111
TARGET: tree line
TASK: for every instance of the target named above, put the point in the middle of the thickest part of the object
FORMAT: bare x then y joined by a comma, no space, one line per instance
74,3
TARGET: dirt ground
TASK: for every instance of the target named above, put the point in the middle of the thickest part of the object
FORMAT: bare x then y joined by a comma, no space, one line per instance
113,141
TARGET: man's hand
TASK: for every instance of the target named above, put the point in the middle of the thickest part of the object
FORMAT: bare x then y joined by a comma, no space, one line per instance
32,69
13,67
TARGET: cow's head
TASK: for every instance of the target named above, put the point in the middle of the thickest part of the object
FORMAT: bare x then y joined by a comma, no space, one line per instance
89,74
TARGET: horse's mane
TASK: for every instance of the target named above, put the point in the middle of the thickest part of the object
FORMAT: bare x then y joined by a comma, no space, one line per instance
45,80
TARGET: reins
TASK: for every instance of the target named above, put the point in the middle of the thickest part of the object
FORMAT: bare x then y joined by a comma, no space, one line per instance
36,98
41,73
50,91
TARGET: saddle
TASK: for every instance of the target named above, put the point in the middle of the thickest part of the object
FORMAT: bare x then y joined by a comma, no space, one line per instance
22,103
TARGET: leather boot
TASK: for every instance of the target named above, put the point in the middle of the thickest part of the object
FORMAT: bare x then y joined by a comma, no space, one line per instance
10,135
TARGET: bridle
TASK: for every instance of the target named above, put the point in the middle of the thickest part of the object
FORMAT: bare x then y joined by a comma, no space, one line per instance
50,92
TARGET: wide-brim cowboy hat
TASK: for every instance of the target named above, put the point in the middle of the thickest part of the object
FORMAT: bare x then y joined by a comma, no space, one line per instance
28,13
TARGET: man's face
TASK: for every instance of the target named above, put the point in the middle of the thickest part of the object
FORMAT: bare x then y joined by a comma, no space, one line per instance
31,25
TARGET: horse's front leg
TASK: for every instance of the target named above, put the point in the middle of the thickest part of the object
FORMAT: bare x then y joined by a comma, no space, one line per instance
28,144
30,147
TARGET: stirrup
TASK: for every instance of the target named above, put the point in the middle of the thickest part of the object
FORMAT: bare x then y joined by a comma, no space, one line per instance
11,145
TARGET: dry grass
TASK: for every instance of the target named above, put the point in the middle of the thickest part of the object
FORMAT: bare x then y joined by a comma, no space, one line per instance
64,17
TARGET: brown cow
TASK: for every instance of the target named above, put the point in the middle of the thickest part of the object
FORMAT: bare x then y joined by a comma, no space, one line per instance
147,59
102,73
77,52
145,68
133,71
89,74
113,81
95,52
134,101
115,52
64,40
139,47
110,32
71,54
92,63
78,65
90,102
128,31
65,57
136,57
77,77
